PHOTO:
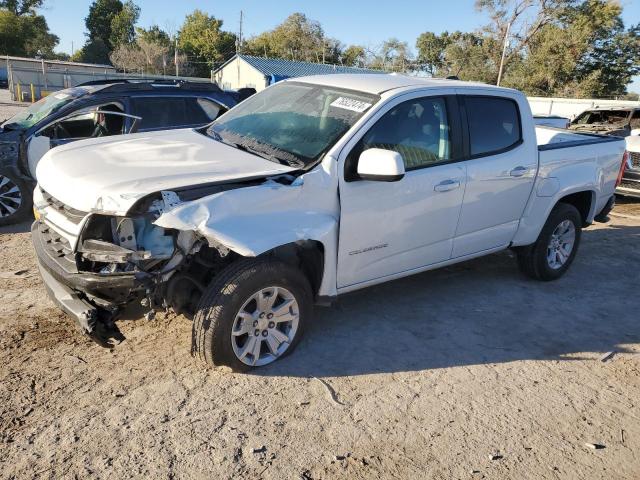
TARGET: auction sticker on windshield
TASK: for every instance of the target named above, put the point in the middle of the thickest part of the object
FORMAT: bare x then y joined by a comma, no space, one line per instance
350,104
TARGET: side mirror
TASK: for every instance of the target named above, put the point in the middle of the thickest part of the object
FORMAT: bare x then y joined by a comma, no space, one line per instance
635,131
380,165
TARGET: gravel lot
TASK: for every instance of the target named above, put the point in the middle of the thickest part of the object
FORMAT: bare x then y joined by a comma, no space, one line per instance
471,371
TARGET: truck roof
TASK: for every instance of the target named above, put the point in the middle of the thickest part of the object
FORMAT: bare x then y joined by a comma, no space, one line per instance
378,84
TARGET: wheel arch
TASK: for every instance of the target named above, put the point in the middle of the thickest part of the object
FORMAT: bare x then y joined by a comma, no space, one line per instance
308,256
584,202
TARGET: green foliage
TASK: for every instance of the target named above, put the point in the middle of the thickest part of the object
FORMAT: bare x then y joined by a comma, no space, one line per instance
123,24
354,56
297,38
393,55
94,51
21,7
204,42
154,34
100,18
586,52
556,48
25,35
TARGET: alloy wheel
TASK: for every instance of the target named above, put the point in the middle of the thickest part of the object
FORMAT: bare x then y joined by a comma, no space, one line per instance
10,197
265,326
561,244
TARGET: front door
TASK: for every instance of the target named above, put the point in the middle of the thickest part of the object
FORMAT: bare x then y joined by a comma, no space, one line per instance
88,122
387,228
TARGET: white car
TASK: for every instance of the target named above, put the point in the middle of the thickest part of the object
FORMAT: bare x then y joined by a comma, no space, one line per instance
310,189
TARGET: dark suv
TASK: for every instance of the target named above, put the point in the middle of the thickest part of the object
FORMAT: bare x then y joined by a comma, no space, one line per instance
97,109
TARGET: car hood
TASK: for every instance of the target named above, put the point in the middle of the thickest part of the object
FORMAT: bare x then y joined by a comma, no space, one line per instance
111,174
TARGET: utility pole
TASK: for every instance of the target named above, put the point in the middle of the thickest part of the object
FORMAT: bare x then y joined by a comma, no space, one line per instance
175,58
72,52
504,53
239,41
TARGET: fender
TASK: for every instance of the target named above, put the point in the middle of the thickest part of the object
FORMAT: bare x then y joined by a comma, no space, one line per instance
256,219
549,190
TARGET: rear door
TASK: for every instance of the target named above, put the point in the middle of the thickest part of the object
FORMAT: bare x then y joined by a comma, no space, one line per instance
501,169
388,228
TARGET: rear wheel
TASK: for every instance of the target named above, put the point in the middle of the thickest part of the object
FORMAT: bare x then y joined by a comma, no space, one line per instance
15,198
252,314
552,254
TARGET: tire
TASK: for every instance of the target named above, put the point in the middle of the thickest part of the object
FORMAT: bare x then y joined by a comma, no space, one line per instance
537,260
226,306
16,199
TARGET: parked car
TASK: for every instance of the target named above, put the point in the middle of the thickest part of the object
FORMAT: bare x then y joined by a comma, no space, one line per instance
551,121
630,184
618,121
310,189
96,109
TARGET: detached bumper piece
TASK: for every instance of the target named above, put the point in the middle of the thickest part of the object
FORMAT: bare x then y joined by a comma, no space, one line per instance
85,314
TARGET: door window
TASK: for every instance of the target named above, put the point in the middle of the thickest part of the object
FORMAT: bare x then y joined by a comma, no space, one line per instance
160,112
167,112
494,124
417,129
635,120
87,123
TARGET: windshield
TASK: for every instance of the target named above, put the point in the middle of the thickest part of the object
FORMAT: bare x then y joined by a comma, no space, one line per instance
604,117
292,123
42,108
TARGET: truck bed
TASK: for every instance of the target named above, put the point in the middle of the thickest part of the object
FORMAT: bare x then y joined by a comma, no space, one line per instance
550,138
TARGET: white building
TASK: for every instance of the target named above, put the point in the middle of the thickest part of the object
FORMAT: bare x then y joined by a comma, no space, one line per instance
257,72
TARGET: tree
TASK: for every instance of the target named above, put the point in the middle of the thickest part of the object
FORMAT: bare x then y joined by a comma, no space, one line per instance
585,52
354,56
123,25
431,51
393,55
202,39
297,38
25,35
100,18
21,7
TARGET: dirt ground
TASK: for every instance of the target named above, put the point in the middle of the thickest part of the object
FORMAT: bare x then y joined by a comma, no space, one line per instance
471,371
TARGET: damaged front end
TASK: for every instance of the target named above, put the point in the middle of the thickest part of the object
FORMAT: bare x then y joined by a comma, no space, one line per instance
119,264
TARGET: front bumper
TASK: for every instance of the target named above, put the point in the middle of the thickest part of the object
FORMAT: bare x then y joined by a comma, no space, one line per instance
86,297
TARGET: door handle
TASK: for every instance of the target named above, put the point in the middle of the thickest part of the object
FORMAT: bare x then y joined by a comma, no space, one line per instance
447,185
518,171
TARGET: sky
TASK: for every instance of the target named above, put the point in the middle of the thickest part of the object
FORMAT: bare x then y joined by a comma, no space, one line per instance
350,21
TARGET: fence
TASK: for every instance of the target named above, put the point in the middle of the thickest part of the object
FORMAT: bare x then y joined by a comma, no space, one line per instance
29,80
571,107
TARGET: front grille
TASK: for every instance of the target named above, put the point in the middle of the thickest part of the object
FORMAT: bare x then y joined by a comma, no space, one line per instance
635,159
57,247
73,215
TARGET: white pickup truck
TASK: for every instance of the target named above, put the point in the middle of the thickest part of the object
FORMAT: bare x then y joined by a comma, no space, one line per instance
313,188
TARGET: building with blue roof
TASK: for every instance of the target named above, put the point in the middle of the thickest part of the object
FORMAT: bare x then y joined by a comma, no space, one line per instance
243,71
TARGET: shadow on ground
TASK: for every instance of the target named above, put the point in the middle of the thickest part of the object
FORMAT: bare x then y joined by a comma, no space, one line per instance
22,227
482,311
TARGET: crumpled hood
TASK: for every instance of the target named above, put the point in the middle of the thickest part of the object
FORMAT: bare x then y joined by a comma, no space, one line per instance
111,174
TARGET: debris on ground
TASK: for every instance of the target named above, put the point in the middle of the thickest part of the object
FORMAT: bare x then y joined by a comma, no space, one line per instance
607,356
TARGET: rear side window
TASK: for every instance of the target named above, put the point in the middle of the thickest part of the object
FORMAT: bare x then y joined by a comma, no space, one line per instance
494,124
160,112
202,110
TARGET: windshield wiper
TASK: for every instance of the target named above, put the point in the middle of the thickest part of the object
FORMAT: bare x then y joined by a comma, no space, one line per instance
260,153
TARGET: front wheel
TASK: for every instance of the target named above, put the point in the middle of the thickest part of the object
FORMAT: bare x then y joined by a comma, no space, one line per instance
252,314
15,198
552,254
